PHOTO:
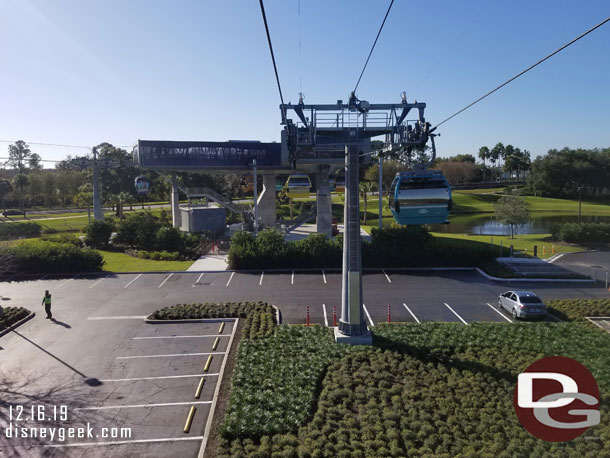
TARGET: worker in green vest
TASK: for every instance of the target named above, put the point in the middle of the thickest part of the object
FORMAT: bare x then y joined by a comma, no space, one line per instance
46,301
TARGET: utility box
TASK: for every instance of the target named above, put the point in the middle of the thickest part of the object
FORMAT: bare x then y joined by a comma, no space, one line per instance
202,219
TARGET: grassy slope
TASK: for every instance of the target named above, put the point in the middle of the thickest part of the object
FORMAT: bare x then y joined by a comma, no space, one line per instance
519,243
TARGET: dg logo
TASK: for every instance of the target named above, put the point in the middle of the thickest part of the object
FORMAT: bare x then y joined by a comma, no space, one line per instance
557,399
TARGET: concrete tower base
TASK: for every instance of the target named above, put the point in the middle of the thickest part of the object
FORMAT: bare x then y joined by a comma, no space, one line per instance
363,339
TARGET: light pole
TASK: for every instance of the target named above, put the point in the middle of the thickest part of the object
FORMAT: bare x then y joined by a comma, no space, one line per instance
579,202
380,191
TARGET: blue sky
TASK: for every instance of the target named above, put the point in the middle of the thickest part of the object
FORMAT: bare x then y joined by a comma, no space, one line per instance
83,72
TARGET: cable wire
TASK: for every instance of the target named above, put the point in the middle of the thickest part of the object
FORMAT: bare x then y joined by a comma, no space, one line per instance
277,78
48,144
374,43
522,72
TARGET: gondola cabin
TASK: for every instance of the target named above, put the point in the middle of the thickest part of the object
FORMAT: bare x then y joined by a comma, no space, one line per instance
420,197
142,185
298,186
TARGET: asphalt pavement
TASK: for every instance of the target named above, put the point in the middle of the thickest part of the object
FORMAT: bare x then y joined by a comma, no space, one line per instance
101,360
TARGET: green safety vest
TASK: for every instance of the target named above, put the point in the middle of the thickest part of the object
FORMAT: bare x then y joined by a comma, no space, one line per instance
47,300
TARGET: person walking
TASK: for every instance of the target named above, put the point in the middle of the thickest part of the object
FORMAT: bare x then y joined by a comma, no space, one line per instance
46,301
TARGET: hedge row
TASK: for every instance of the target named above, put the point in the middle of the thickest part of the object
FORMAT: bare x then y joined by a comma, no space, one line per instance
155,255
578,309
45,257
582,233
11,315
390,247
10,231
259,316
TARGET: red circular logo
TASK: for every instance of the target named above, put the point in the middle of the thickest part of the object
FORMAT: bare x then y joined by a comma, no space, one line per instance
557,399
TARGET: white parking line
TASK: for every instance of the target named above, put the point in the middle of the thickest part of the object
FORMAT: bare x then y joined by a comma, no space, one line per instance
198,279
135,379
68,281
500,313
139,275
387,276
261,280
367,315
412,314
117,317
230,278
99,281
163,282
324,277
325,316
179,337
455,313
43,277
171,355
135,441
292,278
139,406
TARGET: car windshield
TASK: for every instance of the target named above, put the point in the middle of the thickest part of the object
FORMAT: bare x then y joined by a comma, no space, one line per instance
530,300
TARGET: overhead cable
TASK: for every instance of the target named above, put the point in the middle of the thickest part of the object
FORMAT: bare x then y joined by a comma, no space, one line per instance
373,47
277,78
523,72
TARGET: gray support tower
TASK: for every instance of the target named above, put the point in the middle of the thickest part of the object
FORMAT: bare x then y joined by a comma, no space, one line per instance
323,204
266,201
98,214
352,327
175,201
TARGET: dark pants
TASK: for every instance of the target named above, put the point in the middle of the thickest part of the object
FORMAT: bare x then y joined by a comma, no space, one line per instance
47,308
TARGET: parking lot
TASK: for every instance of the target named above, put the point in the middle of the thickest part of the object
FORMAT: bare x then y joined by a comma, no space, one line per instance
111,369
134,400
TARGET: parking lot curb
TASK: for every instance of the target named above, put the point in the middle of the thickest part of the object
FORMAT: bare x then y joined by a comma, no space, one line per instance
534,280
278,315
190,320
17,324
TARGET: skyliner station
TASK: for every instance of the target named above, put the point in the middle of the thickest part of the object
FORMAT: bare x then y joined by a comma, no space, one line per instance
325,138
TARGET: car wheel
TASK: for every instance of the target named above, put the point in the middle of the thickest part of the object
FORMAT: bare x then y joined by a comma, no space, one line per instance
500,304
515,314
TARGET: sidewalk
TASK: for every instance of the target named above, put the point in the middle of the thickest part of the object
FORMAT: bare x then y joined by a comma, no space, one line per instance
210,262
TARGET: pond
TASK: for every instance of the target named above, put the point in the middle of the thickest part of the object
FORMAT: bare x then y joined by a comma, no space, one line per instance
539,223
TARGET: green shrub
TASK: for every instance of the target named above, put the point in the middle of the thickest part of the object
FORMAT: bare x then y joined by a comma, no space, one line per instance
259,316
51,257
97,233
11,231
64,238
390,247
139,230
578,309
168,239
582,233
10,315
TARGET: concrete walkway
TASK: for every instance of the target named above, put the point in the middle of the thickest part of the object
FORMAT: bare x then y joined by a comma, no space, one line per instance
210,262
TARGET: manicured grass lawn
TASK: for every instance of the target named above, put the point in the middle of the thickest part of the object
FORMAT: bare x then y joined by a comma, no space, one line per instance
435,389
519,243
470,202
120,262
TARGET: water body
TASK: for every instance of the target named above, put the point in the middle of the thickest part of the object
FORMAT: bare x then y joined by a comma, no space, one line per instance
539,223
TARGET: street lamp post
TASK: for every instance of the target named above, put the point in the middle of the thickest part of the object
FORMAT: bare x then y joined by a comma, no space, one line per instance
579,202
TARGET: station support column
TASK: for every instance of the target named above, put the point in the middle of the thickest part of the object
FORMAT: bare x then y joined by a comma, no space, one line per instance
266,201
323,202
175,201
352,326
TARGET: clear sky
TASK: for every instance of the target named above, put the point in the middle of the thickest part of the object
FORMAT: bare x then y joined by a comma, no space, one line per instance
84,72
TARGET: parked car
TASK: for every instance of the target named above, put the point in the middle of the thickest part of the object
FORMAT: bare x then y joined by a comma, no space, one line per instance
522,304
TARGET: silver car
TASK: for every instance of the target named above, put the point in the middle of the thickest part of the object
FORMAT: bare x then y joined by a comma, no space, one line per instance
522,304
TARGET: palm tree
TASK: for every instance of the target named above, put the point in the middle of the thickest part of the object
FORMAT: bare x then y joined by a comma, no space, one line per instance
365,188
483,155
